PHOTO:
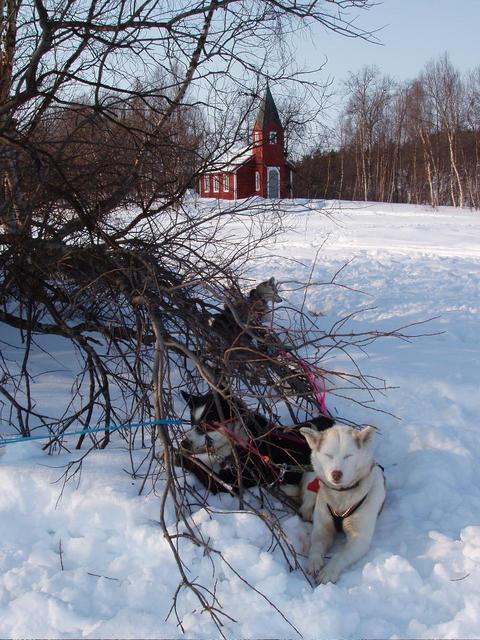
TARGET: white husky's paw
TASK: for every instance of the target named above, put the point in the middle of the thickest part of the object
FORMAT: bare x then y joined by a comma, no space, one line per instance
329,573
314,565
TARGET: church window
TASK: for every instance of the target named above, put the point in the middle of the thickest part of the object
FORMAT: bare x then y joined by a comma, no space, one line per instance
257,180
273,137
226,182
216,184
207,183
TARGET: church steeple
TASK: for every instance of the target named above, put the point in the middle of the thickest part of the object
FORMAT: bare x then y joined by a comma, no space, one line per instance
267,112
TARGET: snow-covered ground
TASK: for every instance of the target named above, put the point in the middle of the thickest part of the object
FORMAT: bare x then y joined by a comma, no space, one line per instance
94,563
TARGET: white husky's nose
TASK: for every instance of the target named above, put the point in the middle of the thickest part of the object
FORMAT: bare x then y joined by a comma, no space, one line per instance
336,475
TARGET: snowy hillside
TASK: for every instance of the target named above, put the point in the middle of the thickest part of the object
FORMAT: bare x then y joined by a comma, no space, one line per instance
94,563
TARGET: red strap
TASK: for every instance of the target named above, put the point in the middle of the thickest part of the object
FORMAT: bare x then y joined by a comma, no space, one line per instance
215,425
314,485
250,447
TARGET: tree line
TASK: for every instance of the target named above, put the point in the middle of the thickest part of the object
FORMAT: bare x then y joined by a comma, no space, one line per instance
415,142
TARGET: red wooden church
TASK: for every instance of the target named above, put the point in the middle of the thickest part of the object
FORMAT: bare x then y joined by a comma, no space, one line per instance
260,169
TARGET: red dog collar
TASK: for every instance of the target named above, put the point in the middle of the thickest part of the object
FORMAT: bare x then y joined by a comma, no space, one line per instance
314,485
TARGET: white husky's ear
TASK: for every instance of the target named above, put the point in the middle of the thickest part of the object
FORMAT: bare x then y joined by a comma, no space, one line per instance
364,436
314,438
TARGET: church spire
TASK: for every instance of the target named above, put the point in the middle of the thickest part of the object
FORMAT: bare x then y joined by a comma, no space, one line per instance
267,113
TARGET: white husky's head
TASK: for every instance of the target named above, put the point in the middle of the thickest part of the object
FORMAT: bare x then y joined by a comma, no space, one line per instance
341,456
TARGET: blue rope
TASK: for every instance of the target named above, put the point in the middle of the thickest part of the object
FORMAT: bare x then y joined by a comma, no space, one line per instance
53,436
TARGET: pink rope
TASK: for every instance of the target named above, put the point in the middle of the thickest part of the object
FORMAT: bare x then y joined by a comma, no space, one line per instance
319,395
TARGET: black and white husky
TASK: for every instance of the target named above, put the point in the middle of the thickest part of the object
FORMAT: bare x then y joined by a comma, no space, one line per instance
231,440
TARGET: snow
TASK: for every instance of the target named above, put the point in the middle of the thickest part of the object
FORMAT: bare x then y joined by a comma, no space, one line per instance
92,562
233,158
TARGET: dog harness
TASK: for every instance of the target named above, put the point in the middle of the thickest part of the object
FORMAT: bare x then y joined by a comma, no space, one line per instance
338,518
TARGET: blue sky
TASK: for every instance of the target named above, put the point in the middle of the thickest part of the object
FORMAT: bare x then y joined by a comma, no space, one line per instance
414,32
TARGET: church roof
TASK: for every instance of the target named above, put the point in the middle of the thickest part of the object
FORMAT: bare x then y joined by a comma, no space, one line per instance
232,159
267,113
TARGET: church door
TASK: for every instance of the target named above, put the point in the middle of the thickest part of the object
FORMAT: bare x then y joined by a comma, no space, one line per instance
273,183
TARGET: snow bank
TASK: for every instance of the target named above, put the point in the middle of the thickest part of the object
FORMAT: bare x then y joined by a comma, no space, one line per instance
93,563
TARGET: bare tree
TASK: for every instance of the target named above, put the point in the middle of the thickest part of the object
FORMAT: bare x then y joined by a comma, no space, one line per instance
472,116
411,142
80,141
368,93
444,89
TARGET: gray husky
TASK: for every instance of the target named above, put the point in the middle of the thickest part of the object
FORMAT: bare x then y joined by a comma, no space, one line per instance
251,310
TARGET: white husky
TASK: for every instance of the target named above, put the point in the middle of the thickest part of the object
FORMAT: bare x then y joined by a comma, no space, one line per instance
346,490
